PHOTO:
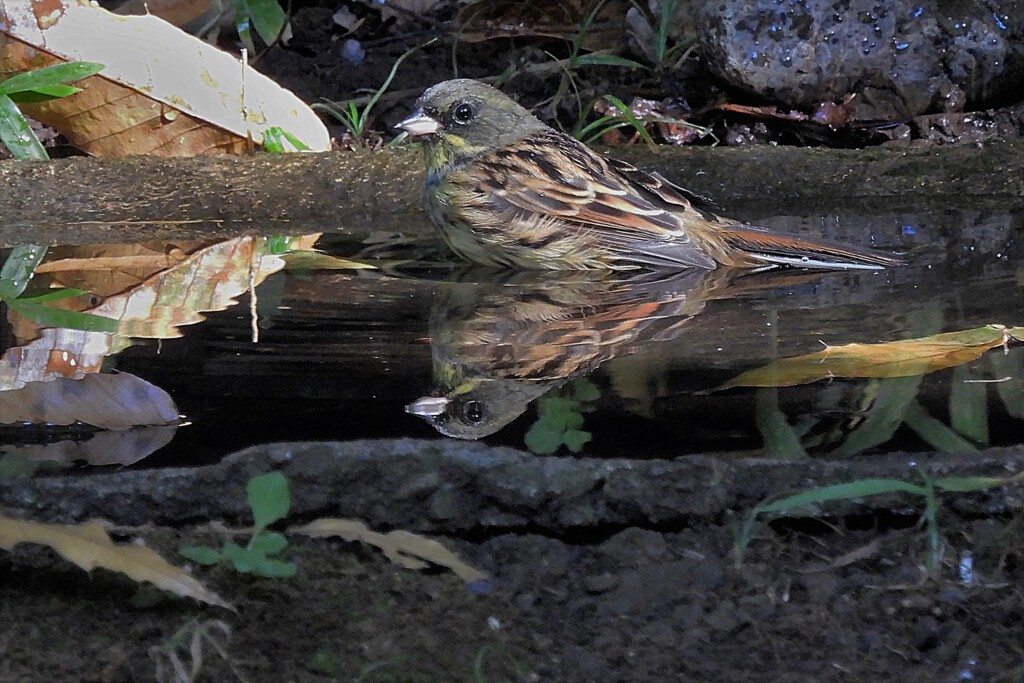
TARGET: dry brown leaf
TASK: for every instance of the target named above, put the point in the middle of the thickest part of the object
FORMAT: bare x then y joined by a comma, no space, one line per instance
317,260
124,447
118,401
89,546
162,92
402,547
209,279
487,19
891,359
107,269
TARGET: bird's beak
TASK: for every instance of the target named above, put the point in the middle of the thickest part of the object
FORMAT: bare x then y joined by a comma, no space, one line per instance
427,407
418,123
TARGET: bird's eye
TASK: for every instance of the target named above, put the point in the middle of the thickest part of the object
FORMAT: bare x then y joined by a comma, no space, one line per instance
474,411
463,113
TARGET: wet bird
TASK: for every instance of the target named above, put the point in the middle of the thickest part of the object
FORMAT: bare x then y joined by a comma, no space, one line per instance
507,190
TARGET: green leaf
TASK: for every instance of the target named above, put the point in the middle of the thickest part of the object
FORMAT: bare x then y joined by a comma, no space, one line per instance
267,18
16,134
18,268
967,484
242,559
55,295
275,137
854,489
1009,368
585,390
269,498
268,543
275,569
542,440
48,76
574,439
242,25
939,436
58,317
45,93
781,441
200,553
267,566
605,59
968,405
556,407
883,418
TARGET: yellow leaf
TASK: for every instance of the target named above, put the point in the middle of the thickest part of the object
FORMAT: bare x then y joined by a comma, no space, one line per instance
891,359
89,546
402,547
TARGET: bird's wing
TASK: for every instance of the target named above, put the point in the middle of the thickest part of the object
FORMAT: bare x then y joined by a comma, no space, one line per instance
551,176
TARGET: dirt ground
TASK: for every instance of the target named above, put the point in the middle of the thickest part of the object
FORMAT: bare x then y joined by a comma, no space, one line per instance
582,588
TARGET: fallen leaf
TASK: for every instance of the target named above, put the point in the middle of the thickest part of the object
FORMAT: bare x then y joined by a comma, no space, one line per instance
89,546
487,19
316,260
402,547
110,401
161,92
890,359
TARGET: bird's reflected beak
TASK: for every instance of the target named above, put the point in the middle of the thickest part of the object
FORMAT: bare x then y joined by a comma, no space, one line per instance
428,406
418,123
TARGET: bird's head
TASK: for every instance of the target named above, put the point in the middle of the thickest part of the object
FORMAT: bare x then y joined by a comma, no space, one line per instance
462,118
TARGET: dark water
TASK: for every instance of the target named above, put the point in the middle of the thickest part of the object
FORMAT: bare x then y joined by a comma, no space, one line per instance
622,366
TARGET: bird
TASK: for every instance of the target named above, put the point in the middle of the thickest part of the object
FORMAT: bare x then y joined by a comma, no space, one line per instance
501,341
507,190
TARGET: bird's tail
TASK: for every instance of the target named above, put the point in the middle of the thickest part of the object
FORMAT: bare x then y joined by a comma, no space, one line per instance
757,246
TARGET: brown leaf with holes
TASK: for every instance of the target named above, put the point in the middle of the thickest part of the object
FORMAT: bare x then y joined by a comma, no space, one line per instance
161,92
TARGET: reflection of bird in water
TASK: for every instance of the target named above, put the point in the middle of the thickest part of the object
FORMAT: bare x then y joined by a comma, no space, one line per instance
499,345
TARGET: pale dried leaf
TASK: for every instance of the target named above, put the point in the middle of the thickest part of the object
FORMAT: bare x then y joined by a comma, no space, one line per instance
89,546
890,359
402,547
162,92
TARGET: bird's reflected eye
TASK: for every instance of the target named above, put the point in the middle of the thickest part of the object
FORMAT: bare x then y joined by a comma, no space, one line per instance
463,113
474,411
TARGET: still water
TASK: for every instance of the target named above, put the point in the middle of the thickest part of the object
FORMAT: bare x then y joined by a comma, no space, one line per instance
602,366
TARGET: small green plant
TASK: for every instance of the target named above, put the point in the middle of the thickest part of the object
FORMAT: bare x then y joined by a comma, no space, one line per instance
350,115
577,58
560,418
863,488
624,118
275,139
270,501
14,278
40,85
